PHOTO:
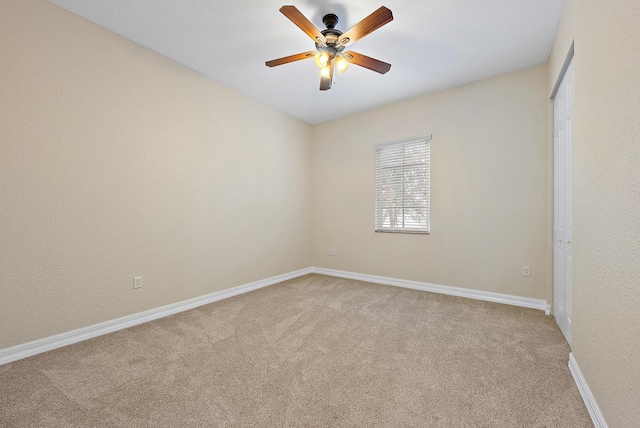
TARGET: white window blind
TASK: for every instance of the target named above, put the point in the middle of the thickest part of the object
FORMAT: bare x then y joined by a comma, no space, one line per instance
402,187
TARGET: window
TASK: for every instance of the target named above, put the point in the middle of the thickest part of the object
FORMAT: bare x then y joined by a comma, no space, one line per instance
402,187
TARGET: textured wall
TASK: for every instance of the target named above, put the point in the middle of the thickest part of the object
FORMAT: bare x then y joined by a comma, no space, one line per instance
490,201
116,162
606,199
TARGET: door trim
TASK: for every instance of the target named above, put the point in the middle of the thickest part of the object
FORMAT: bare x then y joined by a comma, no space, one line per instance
562,72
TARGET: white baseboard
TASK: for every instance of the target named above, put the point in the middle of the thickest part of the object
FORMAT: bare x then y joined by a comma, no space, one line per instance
28,349
524,302
587,396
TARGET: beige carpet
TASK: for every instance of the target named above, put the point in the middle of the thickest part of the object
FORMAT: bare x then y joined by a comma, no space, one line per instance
312,351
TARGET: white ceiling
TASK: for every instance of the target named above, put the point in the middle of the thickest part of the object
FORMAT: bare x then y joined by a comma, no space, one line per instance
431,44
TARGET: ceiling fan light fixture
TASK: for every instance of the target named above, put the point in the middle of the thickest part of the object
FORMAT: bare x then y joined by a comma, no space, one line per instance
342,65
325,71
321,59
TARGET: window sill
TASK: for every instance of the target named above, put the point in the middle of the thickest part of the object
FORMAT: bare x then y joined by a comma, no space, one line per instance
411,232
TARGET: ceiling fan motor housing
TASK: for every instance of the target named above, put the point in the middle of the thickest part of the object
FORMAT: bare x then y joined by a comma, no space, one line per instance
331,34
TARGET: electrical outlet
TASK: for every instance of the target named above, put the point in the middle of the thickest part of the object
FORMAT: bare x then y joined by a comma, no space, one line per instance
526,271
137,282
333,252
330,252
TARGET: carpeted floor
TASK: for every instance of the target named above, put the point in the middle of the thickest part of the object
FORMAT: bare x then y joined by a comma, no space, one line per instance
312,351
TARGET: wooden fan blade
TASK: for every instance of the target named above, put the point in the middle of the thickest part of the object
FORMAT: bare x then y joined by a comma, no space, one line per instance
290,58
367,62
368,25
303,23
326,82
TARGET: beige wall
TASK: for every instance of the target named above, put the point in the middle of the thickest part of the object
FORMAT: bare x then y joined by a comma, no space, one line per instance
117,162
606,199
490,192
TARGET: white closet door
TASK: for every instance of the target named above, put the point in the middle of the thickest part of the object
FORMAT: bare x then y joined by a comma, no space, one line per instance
562,227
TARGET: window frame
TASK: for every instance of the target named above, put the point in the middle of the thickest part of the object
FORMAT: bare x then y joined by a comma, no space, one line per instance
378,206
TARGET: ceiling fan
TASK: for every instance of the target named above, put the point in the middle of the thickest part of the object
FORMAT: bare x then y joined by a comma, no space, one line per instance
331,43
